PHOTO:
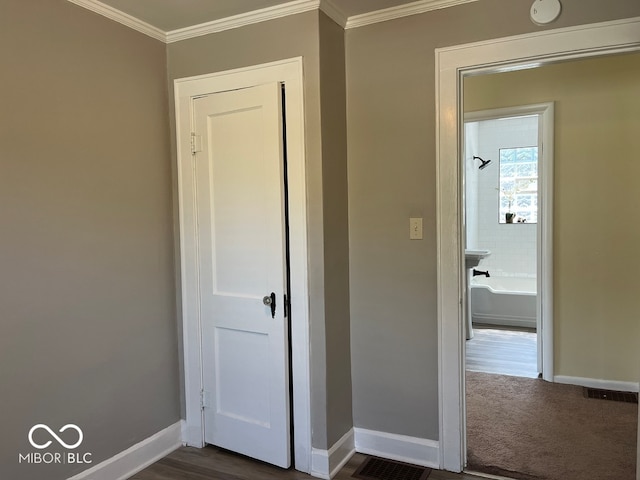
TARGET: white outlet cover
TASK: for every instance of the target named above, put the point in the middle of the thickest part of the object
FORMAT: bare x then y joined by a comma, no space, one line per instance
545,11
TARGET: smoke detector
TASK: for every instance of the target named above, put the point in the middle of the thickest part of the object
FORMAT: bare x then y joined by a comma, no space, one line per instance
545,11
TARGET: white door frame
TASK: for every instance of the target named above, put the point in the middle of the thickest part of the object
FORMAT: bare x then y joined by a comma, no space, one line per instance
451,65
544,230
290,73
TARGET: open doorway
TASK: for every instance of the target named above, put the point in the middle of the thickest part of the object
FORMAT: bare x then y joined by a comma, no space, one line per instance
591,119
453,65
501,203
508,165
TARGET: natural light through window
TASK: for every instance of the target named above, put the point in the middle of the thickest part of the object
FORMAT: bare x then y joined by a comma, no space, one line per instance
518,185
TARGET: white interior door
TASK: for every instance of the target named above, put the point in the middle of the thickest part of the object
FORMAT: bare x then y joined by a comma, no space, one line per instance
241,249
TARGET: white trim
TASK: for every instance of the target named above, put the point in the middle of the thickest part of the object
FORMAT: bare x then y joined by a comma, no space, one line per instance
544,242
615,385
334,12
406,10
517,111
450,65
136,458
327,463
121,17
414,450
269,13
243,19
534,49
290,72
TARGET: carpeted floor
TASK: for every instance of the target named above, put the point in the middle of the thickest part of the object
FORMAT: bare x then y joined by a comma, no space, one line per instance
529,429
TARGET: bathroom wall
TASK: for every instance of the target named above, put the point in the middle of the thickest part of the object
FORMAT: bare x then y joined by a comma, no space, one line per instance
471,184
512,246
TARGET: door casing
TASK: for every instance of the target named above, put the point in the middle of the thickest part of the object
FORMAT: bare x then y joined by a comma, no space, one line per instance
451,65
289,72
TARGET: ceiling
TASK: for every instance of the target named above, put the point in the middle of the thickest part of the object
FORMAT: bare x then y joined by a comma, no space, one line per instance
169,15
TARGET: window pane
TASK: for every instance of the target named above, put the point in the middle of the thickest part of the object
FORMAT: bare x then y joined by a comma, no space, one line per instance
519,184
525,169
507,155
507,170
523,201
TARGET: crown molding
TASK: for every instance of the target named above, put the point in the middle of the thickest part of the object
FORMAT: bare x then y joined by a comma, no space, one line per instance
333,12
264,14
122,18
236,21
421,6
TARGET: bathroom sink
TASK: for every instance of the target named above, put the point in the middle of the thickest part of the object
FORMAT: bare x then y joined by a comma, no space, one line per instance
472,257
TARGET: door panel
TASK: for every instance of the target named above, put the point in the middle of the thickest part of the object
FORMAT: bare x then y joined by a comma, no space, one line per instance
241,183
241,241
241,392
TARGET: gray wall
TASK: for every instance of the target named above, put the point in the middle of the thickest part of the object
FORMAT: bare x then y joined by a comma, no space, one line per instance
293,36
336,222
391,167
87,287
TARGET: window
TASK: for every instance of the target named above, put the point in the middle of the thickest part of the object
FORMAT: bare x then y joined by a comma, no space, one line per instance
518,185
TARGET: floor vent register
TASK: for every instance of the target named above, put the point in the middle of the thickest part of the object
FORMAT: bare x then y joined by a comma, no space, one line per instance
374,468
628,397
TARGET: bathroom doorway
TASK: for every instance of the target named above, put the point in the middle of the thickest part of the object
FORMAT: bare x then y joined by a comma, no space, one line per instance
507,196
457,65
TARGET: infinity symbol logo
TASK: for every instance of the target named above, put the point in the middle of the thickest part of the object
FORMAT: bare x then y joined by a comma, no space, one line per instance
60,441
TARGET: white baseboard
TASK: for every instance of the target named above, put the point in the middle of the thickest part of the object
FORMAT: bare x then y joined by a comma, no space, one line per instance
129,462
503,320
327,463
597,383
417,451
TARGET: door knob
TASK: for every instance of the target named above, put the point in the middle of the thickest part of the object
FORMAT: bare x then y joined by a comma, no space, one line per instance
270,301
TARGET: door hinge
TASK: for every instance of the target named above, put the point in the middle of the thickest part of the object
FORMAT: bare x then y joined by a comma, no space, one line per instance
196,143
205,400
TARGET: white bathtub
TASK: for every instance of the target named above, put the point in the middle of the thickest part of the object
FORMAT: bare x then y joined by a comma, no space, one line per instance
509,301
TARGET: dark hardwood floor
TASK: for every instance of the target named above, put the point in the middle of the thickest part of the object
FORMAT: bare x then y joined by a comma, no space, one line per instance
211,463
503,351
